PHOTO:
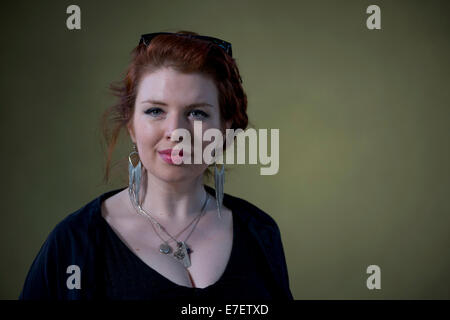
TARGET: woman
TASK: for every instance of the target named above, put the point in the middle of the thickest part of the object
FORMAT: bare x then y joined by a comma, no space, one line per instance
167,235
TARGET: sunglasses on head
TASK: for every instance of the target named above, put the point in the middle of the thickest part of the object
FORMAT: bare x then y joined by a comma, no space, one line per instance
146,38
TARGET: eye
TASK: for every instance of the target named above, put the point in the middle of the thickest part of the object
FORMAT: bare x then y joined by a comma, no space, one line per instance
154,112
199,114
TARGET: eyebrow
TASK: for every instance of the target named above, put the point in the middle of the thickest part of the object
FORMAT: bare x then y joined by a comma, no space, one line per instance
193,105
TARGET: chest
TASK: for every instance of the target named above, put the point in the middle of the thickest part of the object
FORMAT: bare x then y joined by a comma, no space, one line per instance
211,246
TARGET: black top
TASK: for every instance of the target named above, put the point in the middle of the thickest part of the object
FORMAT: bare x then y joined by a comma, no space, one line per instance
127,277
110,270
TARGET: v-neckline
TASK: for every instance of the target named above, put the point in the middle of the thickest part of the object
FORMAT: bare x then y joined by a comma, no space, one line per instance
152,270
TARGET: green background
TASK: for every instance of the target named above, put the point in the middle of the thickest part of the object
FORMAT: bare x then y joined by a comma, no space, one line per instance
363,119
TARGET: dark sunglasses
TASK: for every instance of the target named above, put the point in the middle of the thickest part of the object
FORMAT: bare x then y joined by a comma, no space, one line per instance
146,38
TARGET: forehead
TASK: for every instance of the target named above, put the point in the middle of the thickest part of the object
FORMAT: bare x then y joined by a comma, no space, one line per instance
173,87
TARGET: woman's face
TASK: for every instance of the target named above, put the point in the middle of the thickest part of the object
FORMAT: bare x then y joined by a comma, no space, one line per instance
165,102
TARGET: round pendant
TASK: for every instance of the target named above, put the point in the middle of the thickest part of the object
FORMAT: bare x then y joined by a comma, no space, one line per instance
165,248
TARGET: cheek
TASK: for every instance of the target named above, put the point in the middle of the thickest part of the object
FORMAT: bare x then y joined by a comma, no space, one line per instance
147,134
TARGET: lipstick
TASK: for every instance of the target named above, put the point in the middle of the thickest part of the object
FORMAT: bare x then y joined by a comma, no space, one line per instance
166,155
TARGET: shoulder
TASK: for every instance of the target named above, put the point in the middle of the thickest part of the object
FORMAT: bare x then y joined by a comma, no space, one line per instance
83,223
75,234
72,242
78,224
248,210
261,224
72,235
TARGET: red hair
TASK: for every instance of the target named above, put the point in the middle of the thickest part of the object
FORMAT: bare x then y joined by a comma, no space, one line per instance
185,55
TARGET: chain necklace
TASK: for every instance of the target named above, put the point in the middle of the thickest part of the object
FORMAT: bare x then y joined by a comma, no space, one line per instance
182,252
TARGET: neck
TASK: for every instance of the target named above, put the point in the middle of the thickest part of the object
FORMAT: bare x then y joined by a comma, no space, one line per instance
173,202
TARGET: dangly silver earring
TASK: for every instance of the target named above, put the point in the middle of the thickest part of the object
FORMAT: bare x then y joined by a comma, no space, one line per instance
219,180
135,173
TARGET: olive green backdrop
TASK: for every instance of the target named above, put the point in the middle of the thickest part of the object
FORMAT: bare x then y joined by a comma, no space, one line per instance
363,118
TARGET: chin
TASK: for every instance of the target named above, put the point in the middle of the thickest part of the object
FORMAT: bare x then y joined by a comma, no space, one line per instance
172,173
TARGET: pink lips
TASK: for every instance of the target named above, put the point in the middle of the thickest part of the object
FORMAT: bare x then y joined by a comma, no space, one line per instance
166,155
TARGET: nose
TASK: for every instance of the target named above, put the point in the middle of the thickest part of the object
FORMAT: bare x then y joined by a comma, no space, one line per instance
173,122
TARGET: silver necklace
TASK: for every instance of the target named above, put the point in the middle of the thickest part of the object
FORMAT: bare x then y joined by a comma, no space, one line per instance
183,250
